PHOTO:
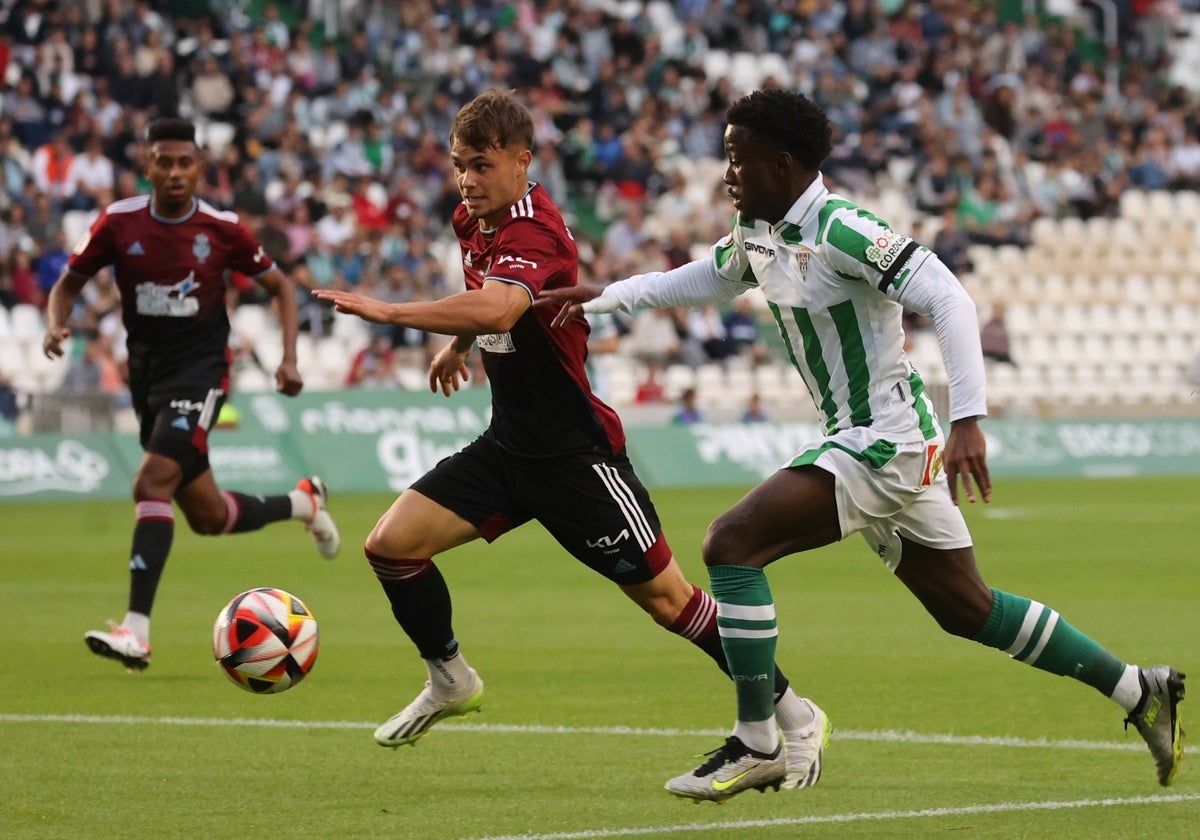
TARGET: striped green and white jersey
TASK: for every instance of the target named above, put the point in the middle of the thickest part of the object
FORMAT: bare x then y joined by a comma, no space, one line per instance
833,273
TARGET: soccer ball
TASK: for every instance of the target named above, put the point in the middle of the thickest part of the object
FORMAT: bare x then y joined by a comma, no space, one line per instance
265,640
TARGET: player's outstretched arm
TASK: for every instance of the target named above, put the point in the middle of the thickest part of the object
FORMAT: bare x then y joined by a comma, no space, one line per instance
494,308
352,303
58,311
287,376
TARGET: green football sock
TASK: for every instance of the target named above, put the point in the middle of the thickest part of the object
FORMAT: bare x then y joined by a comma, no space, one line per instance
746,622
1036,635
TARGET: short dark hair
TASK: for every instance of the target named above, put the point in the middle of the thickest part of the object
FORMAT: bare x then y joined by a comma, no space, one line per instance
788,120
494,118
171,128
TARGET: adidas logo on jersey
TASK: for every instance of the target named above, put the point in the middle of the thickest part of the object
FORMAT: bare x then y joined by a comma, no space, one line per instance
136,249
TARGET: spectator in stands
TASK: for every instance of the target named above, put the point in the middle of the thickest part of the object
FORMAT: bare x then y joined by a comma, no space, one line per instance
90,177
337,226
934,187
212,91
706,340
654,337
44,221
249,193
754,411
688,412
989,214
52,260
742,332
649,388
10,406
627,233
374,366
994,338
50,167
24,107
1183,163
22,279
951,243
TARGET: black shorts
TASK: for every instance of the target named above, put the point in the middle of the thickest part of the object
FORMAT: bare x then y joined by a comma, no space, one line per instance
176,413
597,509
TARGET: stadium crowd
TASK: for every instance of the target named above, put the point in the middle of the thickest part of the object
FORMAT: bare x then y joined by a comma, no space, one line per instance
327,127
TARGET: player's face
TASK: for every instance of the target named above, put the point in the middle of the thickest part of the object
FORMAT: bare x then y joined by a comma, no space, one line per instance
490,180
757,179
174,168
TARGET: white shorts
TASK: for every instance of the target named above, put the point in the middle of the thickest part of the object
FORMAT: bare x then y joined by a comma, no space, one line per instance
888,490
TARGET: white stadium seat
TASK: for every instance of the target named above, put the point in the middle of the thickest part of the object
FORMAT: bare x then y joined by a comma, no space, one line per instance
25,321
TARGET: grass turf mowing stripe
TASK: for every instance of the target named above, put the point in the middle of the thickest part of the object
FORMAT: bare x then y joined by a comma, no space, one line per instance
878,816
907,737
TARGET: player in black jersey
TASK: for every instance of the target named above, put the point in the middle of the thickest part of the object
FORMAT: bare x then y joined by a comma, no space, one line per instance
170,253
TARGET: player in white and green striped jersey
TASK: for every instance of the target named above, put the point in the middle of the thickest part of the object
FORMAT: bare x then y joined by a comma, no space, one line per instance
837,279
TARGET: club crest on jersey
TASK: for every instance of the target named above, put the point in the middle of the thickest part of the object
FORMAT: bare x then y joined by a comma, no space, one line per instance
802,262
201,247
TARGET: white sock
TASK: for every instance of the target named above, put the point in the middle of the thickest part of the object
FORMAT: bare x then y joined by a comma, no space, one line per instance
139,623
759,735
792,713
303,506
450,677
1128,692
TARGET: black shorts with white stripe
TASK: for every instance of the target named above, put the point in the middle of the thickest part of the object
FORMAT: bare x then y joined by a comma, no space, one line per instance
596,508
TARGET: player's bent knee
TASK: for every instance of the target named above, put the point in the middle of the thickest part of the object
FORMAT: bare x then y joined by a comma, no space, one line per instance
205,524
723,546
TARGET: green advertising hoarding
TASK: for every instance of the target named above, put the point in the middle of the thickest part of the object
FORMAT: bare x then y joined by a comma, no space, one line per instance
382,440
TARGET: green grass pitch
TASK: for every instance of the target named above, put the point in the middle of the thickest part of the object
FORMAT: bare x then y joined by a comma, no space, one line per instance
590,707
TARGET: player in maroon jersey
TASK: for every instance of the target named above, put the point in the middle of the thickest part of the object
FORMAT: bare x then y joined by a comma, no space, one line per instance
170,253
554,451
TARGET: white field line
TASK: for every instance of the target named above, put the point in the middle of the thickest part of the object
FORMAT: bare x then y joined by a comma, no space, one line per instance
877,816
907,737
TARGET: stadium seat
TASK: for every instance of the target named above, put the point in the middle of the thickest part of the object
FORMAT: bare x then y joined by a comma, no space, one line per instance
250,321
1017,314
1134,204
716,64
333,359
677,378
1107,289
216,136
745,71
26,322
47,373
12,356
350,329
75,224
252,380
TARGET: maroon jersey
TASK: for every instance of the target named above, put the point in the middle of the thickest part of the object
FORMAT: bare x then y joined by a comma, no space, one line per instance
542,402
171,276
